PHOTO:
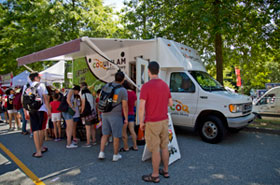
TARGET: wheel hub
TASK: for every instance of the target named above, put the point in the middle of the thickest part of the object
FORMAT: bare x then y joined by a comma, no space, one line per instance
210,130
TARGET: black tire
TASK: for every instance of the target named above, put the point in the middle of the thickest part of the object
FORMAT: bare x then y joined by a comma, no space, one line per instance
212,130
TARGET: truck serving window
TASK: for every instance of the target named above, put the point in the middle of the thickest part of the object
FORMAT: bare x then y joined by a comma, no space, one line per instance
180,82
206,82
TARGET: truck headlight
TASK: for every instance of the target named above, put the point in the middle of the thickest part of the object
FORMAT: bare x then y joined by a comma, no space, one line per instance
235,108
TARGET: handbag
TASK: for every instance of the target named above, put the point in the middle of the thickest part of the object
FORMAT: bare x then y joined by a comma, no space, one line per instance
71,111
87,110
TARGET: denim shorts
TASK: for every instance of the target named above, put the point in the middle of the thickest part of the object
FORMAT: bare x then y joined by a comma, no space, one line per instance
131,118
76,119
67,116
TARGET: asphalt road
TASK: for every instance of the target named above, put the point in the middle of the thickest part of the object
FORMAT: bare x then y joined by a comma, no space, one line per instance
244,158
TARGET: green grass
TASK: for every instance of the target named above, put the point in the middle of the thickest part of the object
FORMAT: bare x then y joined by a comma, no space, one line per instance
266,123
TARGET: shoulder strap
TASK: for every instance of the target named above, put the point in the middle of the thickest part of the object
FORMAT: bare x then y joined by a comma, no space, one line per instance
37,85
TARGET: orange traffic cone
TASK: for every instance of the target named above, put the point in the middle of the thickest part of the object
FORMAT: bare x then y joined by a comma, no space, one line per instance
140,137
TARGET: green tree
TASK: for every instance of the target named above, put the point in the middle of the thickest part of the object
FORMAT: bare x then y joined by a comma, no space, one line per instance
30,26
225,32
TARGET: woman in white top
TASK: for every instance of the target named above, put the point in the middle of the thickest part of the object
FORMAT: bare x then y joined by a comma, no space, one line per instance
69,118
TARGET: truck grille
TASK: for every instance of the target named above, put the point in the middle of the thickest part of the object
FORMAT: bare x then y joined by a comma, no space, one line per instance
247,108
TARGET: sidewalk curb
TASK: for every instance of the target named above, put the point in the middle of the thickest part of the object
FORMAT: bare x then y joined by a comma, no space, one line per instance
262,130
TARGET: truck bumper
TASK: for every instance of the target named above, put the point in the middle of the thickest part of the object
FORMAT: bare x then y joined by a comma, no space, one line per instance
240,122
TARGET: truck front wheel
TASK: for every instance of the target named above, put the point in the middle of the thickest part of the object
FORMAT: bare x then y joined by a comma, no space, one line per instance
212,130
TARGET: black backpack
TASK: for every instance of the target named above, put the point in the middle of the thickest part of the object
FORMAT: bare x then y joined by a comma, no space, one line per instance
31,99
63,107
105,103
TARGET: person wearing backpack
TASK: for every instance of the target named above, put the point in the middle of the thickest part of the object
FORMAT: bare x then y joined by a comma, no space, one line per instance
113,105
36,101
89,123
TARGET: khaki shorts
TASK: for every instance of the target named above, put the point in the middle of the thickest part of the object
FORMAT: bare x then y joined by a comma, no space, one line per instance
156,135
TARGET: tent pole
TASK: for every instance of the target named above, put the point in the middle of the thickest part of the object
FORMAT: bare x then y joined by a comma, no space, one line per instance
28,68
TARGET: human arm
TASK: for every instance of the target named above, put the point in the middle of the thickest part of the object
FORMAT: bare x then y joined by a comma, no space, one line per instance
141,113
69,95
125,110
170,102
83,103
47,103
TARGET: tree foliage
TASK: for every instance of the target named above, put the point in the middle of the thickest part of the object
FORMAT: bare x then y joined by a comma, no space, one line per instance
30,26
247,33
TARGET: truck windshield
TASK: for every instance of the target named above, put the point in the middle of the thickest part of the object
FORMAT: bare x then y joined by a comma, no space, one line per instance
206,82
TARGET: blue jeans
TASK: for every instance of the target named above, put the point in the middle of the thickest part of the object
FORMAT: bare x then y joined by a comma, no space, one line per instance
23,119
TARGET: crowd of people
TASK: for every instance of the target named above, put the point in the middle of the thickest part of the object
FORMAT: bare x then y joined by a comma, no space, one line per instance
79,106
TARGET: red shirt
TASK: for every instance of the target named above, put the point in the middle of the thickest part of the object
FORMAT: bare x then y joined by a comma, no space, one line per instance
131,98
157,94
54,106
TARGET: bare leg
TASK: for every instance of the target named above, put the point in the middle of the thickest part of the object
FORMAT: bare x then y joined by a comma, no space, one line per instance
104,139
93,132
156,162
55,129
36,137
74,130
41,134
69,131
133,134
18,119
165,159
59,129
10,120
88,133
6,116
116,145
124,137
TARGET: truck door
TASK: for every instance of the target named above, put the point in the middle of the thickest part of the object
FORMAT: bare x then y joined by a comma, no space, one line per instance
141,78
184,96
267,105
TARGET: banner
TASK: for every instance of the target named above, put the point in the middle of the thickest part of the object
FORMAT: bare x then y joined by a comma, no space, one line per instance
238,77
6,80
173,147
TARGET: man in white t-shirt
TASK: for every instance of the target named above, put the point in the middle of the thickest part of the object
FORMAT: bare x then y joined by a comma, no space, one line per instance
39,119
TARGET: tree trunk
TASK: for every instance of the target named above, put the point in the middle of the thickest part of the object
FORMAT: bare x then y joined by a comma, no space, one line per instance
219,57
218,43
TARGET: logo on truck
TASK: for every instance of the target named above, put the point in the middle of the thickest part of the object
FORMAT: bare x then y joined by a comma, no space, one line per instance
103,69
179,108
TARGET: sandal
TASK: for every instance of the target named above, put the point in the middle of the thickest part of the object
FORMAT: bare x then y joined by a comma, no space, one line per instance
36,156
123,150
45,149
131,148
163,173
150,178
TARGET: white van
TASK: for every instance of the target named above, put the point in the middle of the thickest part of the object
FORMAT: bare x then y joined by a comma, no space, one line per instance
268,105
200,102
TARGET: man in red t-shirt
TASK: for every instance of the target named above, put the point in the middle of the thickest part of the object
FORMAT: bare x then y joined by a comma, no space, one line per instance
155,98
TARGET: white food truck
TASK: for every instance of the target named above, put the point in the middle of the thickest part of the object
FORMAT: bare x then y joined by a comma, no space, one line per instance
200,102
268,105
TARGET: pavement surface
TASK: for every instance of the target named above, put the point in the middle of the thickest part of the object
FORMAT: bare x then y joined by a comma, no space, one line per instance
244,158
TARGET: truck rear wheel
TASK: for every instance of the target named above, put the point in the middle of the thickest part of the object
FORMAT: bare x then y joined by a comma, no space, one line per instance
212,130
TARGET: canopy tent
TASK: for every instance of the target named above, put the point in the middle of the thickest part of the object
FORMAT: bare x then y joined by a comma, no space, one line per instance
79,48
55,73
21,79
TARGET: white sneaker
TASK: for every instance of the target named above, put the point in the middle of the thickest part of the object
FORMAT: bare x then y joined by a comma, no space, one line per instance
116,157
71,146
101,155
